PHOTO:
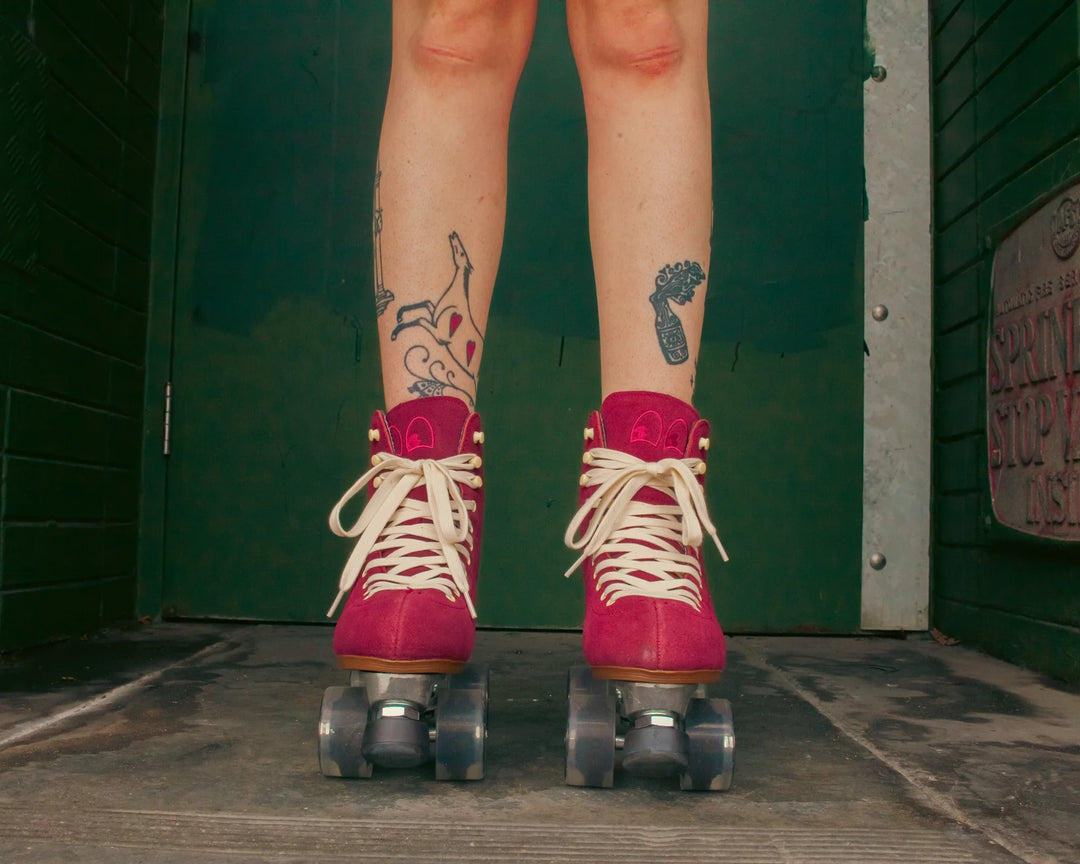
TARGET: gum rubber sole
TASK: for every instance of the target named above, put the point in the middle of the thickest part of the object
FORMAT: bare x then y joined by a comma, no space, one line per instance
657,676
405,667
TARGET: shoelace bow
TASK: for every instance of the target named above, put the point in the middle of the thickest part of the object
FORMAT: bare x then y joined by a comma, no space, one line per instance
400,527
642,538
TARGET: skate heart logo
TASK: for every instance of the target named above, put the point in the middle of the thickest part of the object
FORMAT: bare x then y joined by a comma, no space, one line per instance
649,428
420,435
449,322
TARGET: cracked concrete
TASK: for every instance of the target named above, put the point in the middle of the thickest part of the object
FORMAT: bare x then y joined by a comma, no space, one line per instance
190,742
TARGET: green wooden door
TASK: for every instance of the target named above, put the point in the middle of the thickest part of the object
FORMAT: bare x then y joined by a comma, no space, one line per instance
275,356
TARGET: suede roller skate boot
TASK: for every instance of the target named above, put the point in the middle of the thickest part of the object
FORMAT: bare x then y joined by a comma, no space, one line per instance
408,625
651,638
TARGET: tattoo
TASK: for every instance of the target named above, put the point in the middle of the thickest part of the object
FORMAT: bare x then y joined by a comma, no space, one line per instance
451,361
383,297
432,376
674,282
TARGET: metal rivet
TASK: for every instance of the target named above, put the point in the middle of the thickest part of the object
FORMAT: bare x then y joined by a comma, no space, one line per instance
397,709
655,718
880,312
877,561
878,73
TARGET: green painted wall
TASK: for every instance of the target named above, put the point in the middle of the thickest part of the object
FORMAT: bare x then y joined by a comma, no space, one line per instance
1006,107
78,125
274,354
783,337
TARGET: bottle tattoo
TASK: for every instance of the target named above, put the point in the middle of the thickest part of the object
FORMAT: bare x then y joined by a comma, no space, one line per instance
674,282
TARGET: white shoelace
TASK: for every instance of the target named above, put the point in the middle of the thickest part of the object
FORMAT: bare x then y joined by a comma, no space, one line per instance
642,538
433,534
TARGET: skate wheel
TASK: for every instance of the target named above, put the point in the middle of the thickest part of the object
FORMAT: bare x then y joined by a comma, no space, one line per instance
472,677
342,722
461,726
710,734
581,680
590,740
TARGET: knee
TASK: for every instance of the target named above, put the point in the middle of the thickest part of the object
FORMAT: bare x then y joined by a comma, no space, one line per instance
470,36
639,38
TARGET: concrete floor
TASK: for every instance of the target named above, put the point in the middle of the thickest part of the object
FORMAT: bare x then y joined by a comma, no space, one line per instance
197,743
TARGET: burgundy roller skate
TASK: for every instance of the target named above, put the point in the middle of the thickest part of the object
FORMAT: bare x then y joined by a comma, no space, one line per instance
651,640
407,629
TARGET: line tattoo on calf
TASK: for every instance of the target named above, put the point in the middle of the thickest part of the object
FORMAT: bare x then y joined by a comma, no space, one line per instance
383,297
432,376
675,282
445,356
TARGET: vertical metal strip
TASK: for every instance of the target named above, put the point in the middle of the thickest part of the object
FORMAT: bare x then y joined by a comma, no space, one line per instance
898,335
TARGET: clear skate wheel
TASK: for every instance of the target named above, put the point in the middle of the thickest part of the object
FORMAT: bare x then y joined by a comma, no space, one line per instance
710,734
342,722
461,726
472,677
582,680
590,740
655,746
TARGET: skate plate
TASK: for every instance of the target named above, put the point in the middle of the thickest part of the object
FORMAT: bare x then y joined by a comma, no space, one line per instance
662,730
394,720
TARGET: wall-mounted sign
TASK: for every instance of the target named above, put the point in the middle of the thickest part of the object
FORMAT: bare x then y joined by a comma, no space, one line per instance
1033,374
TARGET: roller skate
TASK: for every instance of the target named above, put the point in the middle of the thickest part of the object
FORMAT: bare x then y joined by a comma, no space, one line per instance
651,638
408,628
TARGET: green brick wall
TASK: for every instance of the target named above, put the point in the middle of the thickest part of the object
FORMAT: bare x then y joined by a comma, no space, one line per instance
79,84
1006,109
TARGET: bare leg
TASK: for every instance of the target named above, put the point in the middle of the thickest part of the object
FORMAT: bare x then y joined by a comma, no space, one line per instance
644,76
441,188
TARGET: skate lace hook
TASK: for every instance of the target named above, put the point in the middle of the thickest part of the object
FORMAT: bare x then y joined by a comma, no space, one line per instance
618,478
448,513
